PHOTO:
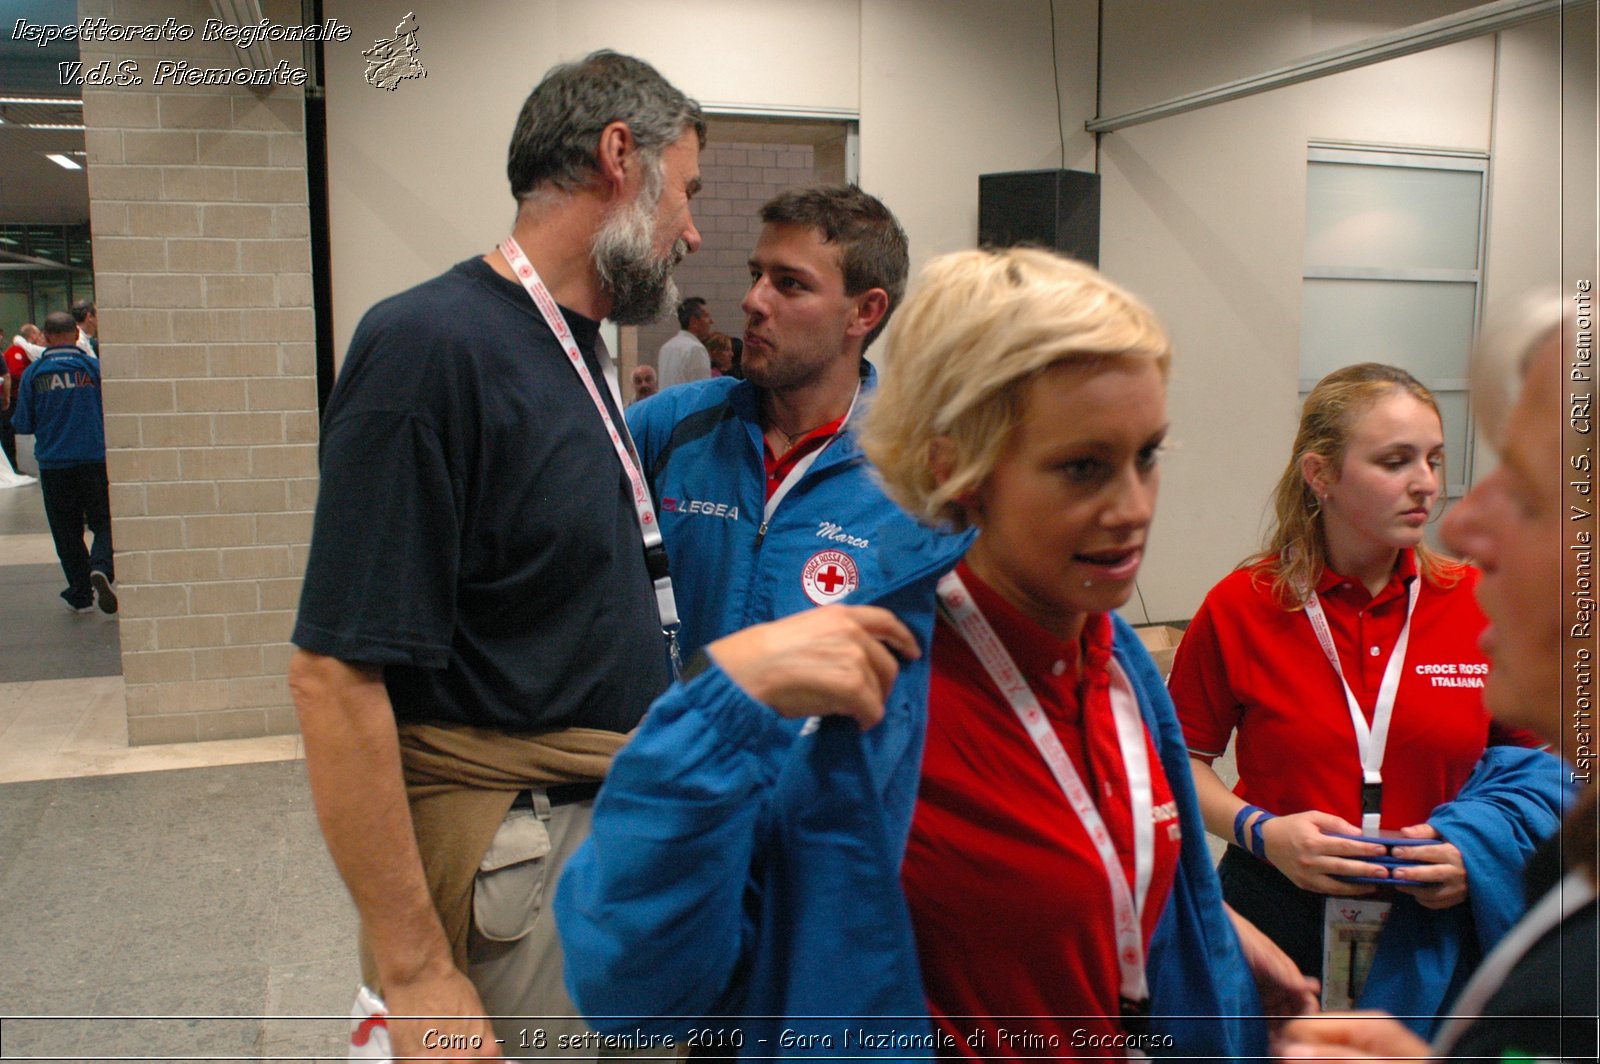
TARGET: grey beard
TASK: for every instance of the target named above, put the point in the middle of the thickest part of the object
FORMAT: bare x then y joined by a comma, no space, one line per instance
642,290
640,284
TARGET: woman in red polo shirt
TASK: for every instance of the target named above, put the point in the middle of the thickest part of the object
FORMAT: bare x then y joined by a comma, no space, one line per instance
1346,658
1025,396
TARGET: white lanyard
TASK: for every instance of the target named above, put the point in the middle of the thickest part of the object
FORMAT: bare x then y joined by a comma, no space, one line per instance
800,468
1561,901
1127,904
1370,742
649,529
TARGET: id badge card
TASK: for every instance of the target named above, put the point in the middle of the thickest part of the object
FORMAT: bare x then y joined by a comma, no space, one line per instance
1350,930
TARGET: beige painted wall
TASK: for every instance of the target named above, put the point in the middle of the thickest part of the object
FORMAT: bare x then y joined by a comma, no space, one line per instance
417,175
1204,217
951,90
1203,213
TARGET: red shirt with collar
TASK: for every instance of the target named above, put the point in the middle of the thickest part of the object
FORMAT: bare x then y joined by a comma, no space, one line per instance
779,466
1247,664
17,360
1008,896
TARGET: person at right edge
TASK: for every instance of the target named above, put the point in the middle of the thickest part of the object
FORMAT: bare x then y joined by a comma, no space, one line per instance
1345,656
1535,996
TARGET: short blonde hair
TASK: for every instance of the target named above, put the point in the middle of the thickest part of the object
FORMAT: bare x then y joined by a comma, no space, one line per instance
962,351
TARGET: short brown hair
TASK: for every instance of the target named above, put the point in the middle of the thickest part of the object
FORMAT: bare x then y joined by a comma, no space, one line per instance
873,250
59,323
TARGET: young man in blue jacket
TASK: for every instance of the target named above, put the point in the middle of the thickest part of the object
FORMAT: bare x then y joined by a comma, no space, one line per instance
766,504
58,403
727,816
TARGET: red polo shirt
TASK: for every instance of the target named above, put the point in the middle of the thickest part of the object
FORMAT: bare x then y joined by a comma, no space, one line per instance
16,359
1008,896
1249,665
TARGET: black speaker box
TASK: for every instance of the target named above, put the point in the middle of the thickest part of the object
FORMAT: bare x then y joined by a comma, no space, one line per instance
1052,208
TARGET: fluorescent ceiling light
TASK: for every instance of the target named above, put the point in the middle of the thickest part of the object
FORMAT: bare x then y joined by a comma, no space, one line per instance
43,125
63,161
62,101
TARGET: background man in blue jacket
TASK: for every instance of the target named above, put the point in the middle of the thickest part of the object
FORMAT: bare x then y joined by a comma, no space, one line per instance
768,508
59,405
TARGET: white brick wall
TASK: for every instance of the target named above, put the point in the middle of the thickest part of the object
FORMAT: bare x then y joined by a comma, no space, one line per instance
203,278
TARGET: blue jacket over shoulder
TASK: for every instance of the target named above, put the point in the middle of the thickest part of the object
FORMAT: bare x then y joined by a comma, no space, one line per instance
739,868
1510,804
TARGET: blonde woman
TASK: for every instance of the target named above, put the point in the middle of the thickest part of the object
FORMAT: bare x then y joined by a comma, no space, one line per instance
1346,659
756,871
1056,871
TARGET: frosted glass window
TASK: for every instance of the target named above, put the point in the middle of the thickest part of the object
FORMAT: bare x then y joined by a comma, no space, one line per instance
1392,217
1423,326
1392,272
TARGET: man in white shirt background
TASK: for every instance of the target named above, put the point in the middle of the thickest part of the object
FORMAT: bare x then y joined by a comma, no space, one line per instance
684,357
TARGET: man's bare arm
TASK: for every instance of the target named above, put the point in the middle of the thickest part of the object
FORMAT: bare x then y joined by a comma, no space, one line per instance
353,761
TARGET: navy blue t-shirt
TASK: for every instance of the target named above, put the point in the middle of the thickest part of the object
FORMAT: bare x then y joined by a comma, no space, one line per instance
475,533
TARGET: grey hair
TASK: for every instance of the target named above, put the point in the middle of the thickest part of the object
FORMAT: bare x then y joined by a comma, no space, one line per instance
559,127
1504,350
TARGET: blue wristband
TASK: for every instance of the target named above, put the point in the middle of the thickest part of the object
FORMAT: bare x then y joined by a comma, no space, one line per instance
1245,812
1258,845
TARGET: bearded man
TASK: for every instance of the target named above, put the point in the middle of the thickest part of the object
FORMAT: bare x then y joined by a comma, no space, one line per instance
478,629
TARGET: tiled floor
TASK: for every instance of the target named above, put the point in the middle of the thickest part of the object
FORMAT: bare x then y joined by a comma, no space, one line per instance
156,903
57,729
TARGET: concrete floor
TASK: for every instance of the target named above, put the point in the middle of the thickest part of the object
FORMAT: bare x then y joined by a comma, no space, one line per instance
43,640
190,913
200,901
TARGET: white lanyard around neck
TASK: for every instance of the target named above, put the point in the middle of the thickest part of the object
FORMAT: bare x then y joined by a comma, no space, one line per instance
800,468
649,528
1370,742
1127,903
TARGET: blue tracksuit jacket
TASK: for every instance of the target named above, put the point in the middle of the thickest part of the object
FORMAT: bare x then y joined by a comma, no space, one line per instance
1510,804
58,403
701,449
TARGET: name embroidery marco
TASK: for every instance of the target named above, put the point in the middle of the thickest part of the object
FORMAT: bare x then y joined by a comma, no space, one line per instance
836,534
